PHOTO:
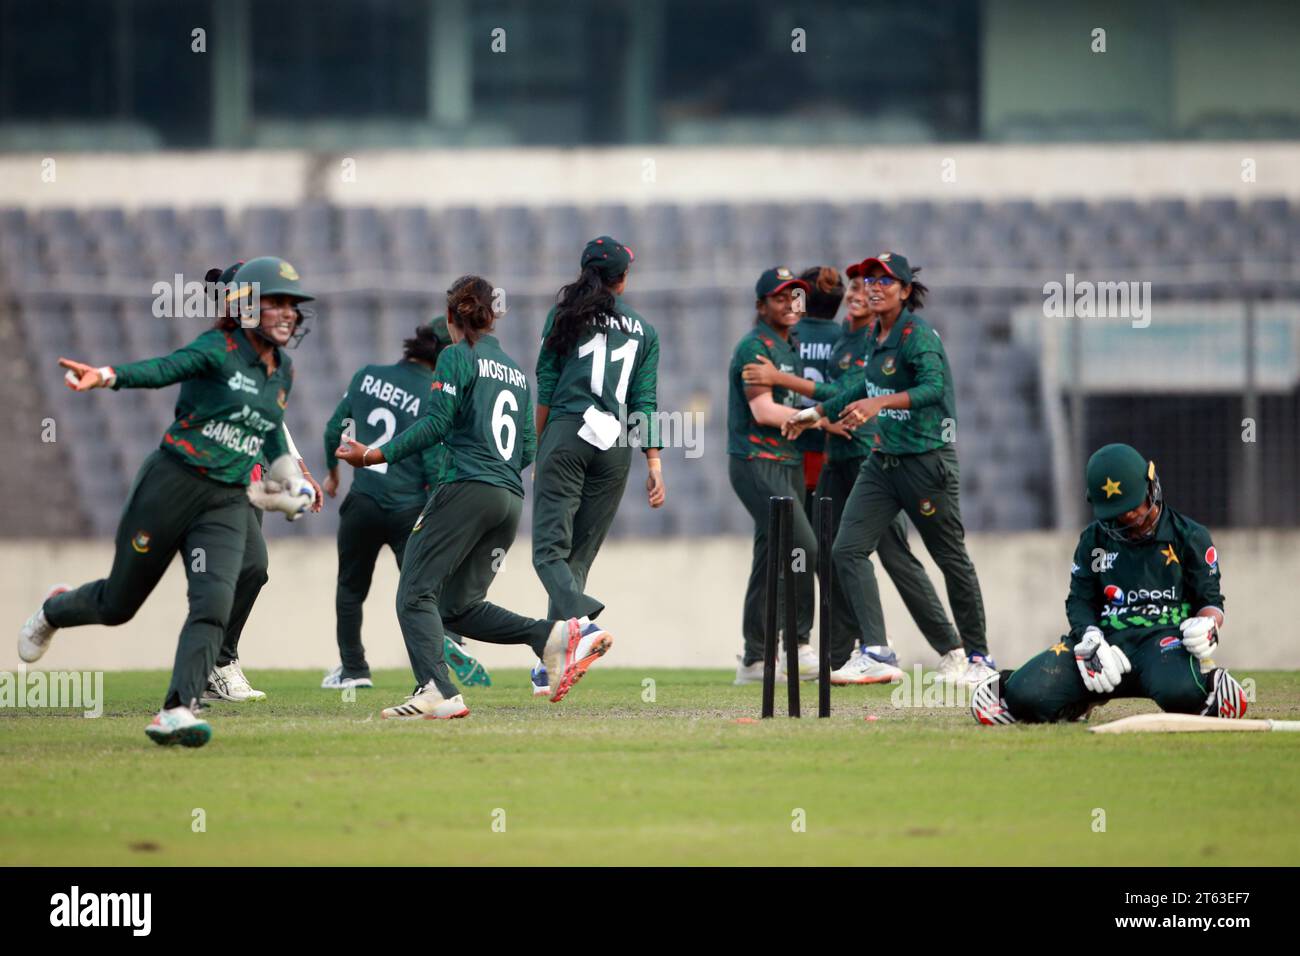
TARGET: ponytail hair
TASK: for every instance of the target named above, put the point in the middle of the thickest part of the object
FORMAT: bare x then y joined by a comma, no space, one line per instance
826,291
578,305
916,300
469,307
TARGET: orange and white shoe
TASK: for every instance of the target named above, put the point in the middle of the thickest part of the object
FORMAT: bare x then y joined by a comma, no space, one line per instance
35,636
569,651
427,704
872,665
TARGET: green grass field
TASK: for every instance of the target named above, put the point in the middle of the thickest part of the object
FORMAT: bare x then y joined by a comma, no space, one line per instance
609,777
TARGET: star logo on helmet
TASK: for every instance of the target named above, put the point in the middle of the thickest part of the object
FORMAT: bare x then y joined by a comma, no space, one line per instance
1111,487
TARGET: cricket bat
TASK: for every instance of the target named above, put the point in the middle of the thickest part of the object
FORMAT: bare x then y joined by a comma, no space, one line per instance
1188,723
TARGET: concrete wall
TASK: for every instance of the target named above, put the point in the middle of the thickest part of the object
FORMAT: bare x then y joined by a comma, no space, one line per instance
670,604
652,174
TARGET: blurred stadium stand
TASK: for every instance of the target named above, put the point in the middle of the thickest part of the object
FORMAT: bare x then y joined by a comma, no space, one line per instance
77,282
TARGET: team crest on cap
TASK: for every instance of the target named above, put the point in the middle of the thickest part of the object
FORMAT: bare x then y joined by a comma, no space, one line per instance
926,507
288,272
1111,487
889,367
884,256
783,273
141,542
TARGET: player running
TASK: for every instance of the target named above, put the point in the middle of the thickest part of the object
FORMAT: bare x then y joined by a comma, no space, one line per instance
482,410
763,464
382,402
1144,609
597,371
228,681
191,495
864,658
906,389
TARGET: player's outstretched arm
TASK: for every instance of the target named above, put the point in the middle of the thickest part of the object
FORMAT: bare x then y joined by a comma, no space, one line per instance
81,377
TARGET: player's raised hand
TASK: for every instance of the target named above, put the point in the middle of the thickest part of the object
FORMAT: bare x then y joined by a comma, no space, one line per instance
81,377
354,453
760,372
1101,665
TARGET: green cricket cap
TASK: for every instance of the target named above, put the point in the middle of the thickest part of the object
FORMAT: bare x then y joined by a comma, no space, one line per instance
440,331
610,257
1117,478
893,263
774,280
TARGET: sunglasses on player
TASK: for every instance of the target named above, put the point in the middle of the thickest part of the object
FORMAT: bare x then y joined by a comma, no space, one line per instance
883,281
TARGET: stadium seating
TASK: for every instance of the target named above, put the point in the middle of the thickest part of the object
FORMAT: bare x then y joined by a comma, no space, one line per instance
80,283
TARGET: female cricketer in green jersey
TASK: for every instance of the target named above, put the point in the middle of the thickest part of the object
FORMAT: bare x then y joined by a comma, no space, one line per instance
382,402
228,681
597,371
191,495
906,389
762,463
481,409
1144,606
866,658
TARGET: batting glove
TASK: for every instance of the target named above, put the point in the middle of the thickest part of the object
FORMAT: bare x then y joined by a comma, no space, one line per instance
1200,636
285,490
1101,665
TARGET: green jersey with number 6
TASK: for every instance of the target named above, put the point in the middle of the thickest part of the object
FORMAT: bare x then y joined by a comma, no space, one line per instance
616,367
382,401
482,411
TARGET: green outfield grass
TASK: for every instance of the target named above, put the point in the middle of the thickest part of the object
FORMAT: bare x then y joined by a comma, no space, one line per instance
610,777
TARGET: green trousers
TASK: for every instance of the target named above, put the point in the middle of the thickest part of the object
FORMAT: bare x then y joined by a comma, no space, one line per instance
252,578
171,509
925,486
1049,688
755,480
837,480
576,492
456,547
365,527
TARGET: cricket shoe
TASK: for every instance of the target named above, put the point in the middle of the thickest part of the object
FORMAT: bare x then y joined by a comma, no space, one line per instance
809,662
569,651
752,673
35,636
466,666
540,682
979,668
229,683
873,665
952,666
1227,697
178,725
987,705
428,704
335,680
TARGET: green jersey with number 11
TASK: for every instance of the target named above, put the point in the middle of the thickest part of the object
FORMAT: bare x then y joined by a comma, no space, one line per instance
482,411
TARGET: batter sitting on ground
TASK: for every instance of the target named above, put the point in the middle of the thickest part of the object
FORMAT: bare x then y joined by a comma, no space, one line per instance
1139,571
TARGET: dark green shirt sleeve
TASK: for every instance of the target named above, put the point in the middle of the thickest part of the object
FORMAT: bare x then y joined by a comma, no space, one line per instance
1202,577
548,365
334,427
452,376
842,393
529,428
1085,590
927,364
643,396
203,355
